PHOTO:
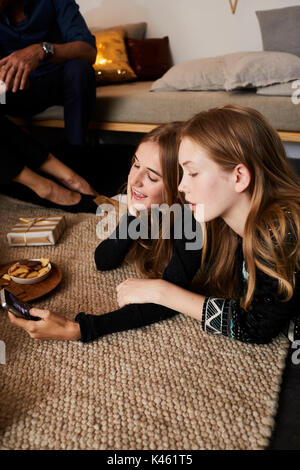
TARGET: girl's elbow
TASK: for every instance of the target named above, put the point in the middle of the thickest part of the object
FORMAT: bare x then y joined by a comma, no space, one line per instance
100,261
105,264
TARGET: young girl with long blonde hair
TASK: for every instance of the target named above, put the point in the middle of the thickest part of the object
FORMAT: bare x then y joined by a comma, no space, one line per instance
234,165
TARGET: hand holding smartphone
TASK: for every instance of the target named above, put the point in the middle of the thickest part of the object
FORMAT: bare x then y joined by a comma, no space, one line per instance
16,306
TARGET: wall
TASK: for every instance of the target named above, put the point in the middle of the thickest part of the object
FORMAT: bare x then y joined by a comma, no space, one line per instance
196,28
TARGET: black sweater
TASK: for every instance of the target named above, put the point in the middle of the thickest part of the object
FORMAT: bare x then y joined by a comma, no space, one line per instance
265,319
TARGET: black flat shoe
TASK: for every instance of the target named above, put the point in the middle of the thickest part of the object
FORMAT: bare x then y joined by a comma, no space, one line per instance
22,193
86,204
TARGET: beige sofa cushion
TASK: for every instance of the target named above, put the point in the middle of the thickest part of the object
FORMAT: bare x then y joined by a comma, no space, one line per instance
280,89
133,102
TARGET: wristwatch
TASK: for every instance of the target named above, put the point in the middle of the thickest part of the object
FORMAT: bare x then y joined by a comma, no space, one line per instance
48,50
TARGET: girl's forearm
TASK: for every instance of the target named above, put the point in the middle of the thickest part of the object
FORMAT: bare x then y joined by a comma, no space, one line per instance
180,299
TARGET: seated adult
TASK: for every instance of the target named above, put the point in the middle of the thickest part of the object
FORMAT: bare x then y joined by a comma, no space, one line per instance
48,51
26,163
48,55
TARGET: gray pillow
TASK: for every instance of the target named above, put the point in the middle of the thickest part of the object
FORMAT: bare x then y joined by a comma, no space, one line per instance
280,89
194,75
132,30
257,69
230,72
280,29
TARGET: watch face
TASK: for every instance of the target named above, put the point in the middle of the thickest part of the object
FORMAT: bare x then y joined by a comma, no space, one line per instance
48,48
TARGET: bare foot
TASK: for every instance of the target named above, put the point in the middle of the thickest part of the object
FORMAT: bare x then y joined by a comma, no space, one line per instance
55,193
47,189
66,176
77,183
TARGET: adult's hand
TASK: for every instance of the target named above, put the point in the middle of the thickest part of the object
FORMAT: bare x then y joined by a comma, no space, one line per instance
50,326
15,68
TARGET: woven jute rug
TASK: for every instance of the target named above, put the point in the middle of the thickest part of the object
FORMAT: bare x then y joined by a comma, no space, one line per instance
165,386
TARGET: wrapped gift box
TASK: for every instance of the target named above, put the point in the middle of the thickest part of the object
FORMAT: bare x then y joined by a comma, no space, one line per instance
36,231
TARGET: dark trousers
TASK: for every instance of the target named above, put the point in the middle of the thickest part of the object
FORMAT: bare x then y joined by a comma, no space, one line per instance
71,85
18,149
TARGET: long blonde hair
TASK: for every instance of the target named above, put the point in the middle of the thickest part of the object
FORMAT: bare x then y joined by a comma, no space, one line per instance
151,257
232,135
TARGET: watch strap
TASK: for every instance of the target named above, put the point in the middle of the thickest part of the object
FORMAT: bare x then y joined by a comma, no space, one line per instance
48,50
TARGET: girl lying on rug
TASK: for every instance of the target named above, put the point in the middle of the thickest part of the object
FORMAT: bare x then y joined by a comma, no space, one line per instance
234,164
153,180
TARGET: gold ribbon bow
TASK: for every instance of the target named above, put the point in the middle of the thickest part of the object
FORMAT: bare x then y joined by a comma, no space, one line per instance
31,222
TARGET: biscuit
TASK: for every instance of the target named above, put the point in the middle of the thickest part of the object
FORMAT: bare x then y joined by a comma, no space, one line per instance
22,266
37,267
44,262
43,271
32,264
28,269
13,269
32,275
20,271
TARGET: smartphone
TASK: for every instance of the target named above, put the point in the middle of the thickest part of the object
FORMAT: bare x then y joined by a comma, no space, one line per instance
16,306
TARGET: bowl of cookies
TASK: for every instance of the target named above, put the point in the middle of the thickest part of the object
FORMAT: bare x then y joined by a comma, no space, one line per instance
30,271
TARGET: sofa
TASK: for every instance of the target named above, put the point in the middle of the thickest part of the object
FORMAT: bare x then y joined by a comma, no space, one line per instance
132,107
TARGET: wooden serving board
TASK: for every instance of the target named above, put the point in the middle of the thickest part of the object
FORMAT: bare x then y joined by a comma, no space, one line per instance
28,292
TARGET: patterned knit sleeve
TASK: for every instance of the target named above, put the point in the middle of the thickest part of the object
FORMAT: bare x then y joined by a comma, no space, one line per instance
266,317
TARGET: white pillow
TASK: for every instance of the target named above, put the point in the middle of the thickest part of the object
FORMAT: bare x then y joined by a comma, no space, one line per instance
231,71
